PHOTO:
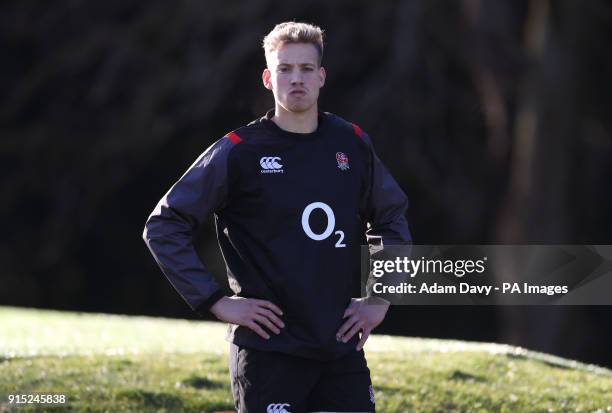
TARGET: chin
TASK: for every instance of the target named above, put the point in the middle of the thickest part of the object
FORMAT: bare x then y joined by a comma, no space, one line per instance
299,107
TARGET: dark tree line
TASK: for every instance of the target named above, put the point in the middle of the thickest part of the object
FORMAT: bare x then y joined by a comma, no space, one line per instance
493,116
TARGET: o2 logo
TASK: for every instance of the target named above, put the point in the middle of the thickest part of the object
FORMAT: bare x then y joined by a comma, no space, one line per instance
331,223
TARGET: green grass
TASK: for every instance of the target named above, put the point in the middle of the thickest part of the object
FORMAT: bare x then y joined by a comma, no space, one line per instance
109,363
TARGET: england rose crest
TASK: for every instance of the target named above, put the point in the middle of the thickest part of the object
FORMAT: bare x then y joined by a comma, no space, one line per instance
342,159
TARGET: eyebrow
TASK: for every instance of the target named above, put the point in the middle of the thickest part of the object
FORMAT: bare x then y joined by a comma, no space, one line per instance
299,64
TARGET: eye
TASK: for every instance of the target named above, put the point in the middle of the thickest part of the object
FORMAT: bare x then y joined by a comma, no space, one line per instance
283,69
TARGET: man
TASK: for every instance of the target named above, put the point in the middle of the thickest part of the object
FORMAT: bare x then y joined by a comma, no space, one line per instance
292,194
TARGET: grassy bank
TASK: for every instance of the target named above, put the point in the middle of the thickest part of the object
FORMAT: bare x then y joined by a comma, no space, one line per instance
109,363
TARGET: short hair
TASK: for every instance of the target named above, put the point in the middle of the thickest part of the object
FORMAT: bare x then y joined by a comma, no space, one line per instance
294,32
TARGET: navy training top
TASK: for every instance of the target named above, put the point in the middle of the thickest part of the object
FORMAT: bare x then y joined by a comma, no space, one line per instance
290,212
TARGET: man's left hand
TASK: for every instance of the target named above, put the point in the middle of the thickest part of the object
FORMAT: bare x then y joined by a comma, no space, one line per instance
364,314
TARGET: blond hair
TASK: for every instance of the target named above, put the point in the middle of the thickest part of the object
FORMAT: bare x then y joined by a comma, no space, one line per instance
294,32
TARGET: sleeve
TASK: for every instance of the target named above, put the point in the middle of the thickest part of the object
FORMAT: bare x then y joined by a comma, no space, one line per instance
387,232
170,228
385,205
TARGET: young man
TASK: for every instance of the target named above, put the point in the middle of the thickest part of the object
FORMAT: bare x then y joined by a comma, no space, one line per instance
292,194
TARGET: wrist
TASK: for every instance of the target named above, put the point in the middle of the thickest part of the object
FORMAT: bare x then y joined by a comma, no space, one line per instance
217,308
373,300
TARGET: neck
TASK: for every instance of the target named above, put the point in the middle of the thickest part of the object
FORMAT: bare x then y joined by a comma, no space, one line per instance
297,122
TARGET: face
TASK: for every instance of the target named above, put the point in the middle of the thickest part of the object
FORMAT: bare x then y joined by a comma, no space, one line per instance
294,76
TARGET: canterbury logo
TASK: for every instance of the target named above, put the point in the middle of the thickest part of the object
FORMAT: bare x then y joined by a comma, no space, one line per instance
277,408
270,165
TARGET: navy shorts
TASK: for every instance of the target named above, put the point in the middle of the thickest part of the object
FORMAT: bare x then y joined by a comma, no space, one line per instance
272,382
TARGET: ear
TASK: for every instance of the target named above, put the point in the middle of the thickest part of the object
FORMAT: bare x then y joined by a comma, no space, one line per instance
266,78
322,76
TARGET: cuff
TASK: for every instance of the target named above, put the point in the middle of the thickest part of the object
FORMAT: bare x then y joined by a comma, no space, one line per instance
204,307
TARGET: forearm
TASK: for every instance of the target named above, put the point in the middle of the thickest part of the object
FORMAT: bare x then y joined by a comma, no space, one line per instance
177,258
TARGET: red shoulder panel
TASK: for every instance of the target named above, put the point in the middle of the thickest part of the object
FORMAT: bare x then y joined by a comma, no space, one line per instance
232,136
357,130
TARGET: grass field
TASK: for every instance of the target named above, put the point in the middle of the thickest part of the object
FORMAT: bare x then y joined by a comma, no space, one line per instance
110,363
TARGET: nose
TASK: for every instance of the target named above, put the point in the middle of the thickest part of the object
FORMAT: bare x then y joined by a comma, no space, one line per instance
296,78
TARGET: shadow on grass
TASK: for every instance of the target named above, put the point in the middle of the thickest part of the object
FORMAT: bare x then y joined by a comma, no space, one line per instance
221,407
463,376
555,365
199,382
124,362
513,356
152,399
549,363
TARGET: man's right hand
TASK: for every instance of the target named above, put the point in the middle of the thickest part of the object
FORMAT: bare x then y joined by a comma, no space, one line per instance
251,313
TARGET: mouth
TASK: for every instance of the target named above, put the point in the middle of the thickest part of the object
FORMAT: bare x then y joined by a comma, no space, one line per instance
297,93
